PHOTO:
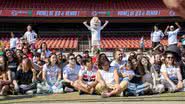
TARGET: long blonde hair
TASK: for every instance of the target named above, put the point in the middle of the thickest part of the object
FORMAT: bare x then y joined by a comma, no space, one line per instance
27,63
3,66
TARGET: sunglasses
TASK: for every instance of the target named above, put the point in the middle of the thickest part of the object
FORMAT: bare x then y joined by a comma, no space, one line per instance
72,58
170,57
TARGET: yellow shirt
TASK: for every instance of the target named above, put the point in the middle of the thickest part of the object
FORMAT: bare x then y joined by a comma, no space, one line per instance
1,44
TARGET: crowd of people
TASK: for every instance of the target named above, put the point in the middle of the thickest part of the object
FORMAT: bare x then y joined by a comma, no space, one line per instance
27,70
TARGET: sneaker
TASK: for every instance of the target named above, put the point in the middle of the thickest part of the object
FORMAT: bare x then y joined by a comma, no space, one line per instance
31,92
39,85
182,90
68,89
104,95
171,90
57,91
121,94
39,91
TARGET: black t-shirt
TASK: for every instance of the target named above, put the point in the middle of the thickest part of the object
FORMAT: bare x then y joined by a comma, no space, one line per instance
137,79
24,77
12,65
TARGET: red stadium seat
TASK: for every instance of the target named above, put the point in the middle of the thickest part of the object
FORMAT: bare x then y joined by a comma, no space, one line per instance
81,4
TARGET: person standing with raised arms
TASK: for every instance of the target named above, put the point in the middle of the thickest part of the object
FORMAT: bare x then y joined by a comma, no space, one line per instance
95,28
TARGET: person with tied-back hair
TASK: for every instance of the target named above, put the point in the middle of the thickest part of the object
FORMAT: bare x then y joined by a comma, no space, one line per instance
171,74
25,78
51,76
5,77
156,36
132,54
43,48
108,79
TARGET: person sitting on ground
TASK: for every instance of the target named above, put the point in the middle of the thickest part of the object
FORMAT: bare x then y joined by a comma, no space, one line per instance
70,74
127,71
170,74
155,70
25,78
117,62
136,86
51,76
12,62
43,48
108,79
87,76
79,60
5,77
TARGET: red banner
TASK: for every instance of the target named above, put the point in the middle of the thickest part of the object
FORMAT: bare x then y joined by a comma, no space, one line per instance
16,13
54,13
59,13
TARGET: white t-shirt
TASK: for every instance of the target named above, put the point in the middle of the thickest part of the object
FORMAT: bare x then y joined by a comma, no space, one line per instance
51,73
30,36
171,71
117,65
48,52
71,74
95,35
125,59
13,42
18,45
129,72
108,76
88,76
156,36
172,36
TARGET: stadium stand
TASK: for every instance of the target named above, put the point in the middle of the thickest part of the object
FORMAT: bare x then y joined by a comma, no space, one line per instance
81,4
